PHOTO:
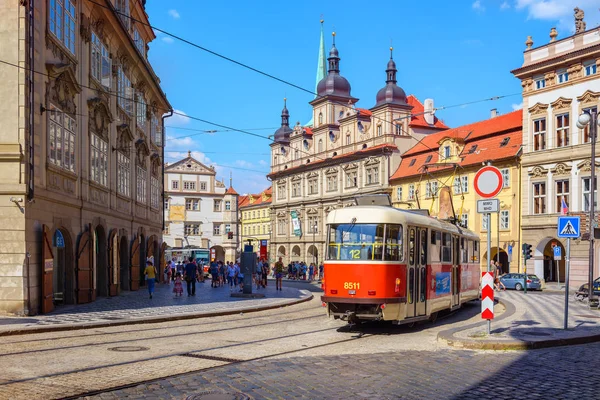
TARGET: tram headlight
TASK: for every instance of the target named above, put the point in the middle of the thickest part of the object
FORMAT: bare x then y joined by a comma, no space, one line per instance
397,287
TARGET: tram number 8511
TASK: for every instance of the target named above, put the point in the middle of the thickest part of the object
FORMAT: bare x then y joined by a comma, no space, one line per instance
351,285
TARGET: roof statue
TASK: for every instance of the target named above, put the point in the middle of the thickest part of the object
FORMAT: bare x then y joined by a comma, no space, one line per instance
579,22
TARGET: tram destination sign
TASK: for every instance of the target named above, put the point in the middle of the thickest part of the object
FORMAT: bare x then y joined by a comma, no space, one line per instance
488,206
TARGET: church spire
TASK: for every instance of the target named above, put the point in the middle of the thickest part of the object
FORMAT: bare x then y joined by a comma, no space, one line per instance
334,58
321,65
391,68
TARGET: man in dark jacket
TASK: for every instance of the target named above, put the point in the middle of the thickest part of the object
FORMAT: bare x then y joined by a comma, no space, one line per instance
191,271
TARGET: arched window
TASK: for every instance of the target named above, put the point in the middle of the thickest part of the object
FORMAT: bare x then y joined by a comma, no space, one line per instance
296,154
398,129
379,130
320,145
320,118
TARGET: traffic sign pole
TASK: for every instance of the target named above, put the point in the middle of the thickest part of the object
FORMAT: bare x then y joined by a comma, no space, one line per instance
567,266
489,258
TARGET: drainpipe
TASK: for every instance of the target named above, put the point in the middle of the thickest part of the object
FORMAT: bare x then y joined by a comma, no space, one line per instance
520,168
163,164
30,145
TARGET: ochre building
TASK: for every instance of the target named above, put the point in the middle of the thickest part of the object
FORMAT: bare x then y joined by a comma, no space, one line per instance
255,220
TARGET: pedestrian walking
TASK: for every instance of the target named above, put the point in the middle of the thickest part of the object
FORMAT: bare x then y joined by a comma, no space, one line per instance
321,271
278,274
178,285
311,272
191,270
150,274
265,274
214,274
230,276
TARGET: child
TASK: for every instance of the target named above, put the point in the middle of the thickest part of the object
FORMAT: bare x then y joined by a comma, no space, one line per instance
178,288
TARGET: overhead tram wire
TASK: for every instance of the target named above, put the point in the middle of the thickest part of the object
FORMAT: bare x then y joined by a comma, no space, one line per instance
266,74
227,166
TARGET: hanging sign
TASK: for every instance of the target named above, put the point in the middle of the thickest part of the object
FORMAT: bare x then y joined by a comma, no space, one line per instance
296,224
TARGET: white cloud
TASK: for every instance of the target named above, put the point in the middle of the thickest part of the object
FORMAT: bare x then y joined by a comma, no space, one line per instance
262,162
516,107
175,143
177,119
168,39
173,13
244,164
560,11
477,6
504,6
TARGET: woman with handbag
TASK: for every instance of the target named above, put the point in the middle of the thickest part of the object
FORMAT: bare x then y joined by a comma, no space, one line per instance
150,273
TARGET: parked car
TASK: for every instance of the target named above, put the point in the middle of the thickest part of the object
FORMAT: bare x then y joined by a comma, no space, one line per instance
582,293
515,281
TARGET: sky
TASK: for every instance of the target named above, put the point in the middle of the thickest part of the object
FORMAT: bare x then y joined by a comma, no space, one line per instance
454,52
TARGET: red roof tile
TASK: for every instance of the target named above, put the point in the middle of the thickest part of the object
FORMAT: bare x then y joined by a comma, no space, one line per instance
364,112
257,199
231,191
419,119
308,131
482,142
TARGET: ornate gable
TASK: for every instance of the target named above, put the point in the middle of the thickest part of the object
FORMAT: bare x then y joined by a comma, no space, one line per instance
561,169
312,211
62,87
589,97
350,166
100,117
538,172
561,103
192,165
296,178
124,138
142,152
585,166
331,171
372,161
538,108
155,160
312,174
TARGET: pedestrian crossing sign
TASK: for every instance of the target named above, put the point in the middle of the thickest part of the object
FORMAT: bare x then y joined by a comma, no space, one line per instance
568,227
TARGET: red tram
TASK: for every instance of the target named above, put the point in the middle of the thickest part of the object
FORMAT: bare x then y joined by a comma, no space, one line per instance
396,265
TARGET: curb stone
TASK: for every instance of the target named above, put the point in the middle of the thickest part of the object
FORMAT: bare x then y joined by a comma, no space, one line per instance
149,320
447,336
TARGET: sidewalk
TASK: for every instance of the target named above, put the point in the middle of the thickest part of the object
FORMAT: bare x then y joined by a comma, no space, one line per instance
137,307
532,320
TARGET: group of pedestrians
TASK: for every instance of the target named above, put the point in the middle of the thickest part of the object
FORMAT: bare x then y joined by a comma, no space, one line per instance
300,271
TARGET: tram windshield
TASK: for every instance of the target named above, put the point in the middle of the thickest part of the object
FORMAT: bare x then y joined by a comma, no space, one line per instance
355,242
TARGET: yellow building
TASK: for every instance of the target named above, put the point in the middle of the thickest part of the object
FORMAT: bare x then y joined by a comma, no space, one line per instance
255,219
437,174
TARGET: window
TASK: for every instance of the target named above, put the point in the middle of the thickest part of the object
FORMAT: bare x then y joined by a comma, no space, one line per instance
313,224
203,186
123,7
505,177
590,67
123,174
464,221
192,229
539,198
348,139
154,192
124,99
446,247
166,204
227,228
228,205
372,175
100,63
563,76
351,179
331,183
192,204
446,151
313,186
428,159
456,185
139,42
562,130
62,22
399,193
296,154
281,192
539,134
427,189
431,189
586,189
61,139
175,185
281,227
412,162
156,134
398,129
379,130
586,129
394,250
98,160
296,189
504,142
355,242
167,230
504,220
540,83
484,222
320,145
464,180
411,192
142,197
562,193
216,229
217,206
472,149
320,118
141,111
189,185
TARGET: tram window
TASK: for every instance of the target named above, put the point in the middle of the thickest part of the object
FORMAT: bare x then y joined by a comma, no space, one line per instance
446,247
411,247
411,285
394,243
465,250
423,284
355,242
423,245
475,256
433,241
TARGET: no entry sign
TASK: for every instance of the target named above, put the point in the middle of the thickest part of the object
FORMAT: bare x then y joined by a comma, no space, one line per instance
488,182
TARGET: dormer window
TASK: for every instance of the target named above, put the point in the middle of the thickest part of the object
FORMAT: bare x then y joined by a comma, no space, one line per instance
590,67
540,82
472,149
428,159
446,151
504,141
412,162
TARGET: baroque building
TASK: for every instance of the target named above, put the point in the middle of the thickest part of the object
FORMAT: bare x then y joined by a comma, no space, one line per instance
560,80
81,153
348,151
255,220
200,213
437,175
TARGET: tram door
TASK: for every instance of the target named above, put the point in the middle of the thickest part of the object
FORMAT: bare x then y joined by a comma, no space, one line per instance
416,272
455,270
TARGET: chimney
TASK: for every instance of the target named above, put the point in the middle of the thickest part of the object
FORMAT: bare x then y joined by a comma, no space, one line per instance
429,111
494,113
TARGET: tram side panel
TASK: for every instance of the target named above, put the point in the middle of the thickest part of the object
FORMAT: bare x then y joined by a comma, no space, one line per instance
439,286
469,282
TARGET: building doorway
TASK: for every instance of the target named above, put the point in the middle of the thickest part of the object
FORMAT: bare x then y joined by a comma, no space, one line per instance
100,262
63,277
219,253
296,253
313,255
124,263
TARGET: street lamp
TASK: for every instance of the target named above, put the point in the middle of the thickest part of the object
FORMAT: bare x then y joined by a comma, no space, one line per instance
590,118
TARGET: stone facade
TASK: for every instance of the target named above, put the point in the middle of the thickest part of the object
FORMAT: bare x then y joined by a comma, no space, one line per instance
560,80
255,220
81,180
198,211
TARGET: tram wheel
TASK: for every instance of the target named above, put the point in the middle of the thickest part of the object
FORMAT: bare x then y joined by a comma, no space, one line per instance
433,317
411,324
